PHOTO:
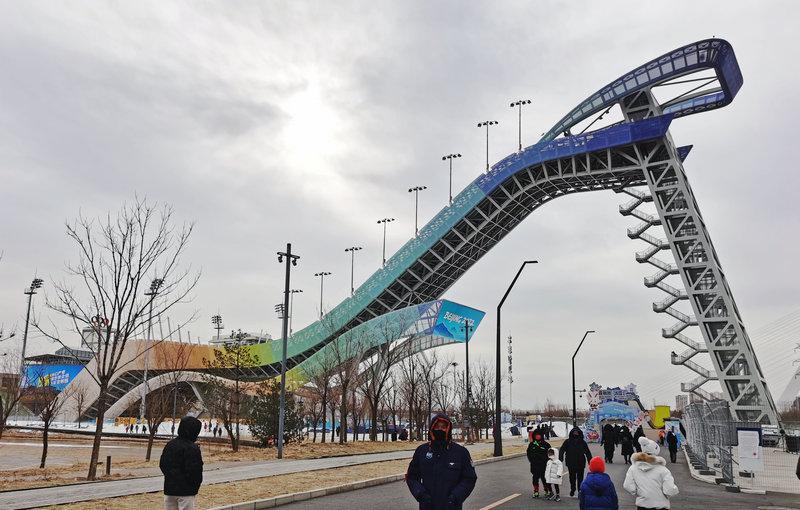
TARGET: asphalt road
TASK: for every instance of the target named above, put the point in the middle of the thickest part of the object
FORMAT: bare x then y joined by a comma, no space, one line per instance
510,481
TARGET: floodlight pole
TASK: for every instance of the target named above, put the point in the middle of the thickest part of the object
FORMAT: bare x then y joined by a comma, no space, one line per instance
498,441
291,260
574,412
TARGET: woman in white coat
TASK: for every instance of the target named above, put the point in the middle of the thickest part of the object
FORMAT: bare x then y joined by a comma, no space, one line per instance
553,474
648,478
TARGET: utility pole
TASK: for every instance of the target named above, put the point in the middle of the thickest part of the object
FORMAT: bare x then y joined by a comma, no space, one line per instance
468,328
291,260
519,104
385,221
450,157
510,379
216,320
352,250
151,295
415,190
30,291
291,309
487,123
322,275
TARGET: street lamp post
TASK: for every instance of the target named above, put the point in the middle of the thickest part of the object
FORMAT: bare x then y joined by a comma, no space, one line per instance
291,260
151,295
291,308
498,441
30,291
468,328
216,320
322,275
385,221
415,190
574,412
450,157
352,250
510,379
487,123
519,104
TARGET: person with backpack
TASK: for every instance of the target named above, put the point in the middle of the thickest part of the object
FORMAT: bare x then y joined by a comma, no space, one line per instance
609,442
597,491
626,440
182,465
672,445
648,478
553,474
537,457
575,454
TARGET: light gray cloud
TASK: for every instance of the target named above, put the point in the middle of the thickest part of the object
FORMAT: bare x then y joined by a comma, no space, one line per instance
307,122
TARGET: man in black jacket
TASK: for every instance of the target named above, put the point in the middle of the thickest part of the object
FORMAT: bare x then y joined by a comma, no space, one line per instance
441,475
182,465
577,454
672,443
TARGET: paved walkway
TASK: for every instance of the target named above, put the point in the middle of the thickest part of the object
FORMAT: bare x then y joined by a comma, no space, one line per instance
33,498
507,486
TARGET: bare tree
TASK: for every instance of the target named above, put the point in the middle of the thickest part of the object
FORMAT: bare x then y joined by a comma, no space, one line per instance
411,389
45,401
174,357
391,399
320,375
80,395
11,387
347,351
119,255
380,365
225,396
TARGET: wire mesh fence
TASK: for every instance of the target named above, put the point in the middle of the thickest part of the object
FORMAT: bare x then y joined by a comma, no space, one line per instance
712,444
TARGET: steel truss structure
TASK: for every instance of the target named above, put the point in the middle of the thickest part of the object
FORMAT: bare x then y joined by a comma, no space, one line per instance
635,153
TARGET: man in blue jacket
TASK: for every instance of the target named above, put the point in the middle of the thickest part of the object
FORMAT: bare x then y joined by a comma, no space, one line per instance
441,475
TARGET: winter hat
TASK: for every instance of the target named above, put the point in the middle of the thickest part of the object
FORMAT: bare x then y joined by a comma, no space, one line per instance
648,446
596,465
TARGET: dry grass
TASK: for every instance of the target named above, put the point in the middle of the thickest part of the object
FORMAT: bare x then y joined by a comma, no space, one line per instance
214,455
261,488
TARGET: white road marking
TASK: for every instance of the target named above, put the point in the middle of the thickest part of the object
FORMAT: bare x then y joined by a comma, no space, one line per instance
498,503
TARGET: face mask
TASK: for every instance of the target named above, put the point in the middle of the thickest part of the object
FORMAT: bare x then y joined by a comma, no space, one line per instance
439,435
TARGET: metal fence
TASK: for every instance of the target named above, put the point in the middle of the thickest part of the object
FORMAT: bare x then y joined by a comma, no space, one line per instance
713,448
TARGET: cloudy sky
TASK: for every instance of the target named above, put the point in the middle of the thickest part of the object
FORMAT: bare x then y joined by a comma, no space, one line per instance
268,122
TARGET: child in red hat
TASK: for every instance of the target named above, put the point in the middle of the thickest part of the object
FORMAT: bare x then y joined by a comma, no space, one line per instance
597,490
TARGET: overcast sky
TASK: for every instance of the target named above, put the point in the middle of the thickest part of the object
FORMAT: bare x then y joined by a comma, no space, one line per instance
268,122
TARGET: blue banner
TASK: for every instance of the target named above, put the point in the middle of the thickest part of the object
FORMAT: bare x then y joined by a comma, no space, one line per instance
452,320
54,376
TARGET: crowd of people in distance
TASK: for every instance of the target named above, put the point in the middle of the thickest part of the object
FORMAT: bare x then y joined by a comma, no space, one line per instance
647,479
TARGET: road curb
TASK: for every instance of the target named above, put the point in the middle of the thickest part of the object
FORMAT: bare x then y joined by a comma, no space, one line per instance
286,499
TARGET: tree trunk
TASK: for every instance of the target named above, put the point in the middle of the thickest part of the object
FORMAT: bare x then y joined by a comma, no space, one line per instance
98,433
373,416
44,444
324,412
343,417
151,435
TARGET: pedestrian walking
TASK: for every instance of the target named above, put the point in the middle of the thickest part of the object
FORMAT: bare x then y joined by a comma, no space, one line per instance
597,491
553,474
672,445
441,475
575,454
636,435
182,465
609,442
648,478
537,457
661,436
626,440
617,431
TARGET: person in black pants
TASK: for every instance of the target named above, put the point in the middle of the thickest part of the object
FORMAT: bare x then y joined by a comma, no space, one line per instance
672,444
575,454
609,442
537,456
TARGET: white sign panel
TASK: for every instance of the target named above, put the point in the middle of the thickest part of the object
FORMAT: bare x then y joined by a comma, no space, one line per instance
750,458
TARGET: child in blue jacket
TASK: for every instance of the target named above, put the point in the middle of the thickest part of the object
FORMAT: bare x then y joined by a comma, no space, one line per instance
597,490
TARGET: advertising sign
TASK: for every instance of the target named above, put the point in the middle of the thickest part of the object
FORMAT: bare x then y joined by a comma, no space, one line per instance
452,318
54,376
